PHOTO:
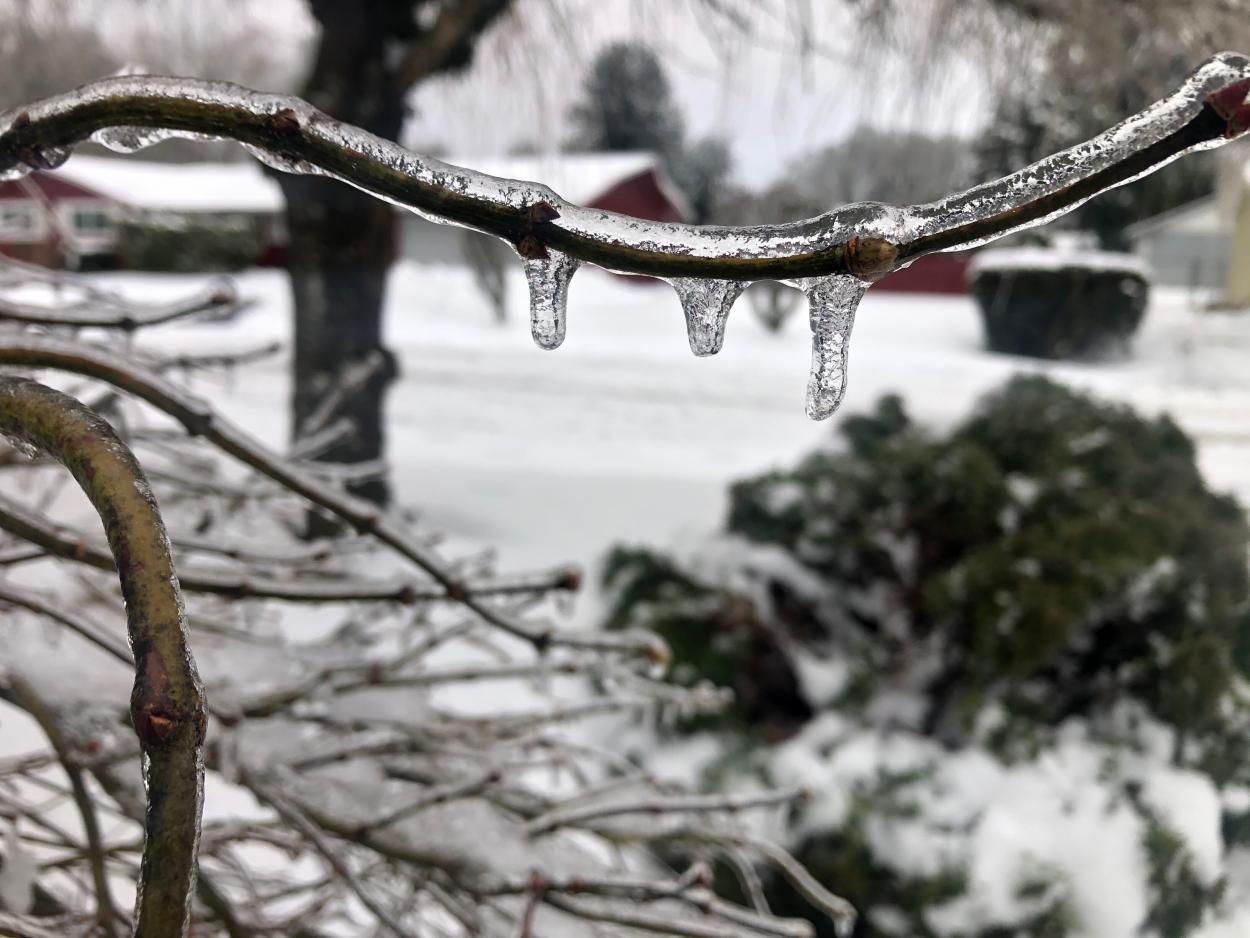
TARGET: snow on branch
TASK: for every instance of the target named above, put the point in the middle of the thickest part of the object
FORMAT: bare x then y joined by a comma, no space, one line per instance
395,800
199,419
103,309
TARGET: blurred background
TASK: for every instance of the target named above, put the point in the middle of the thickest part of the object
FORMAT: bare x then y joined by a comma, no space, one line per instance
995,615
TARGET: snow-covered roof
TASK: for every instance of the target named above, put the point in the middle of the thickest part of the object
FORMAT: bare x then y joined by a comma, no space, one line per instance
1039,258
578,177
177,187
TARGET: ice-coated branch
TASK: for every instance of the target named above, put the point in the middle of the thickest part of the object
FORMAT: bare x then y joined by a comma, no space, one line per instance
167,706
130,112
346,385
574,816
28,926
292,815
359,743
833,256
691,888
104,310
11,595
33,529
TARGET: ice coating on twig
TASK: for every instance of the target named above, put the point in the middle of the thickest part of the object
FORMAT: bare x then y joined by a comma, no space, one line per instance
706,304
283,164
133,139
296,137
894,223
548,278
832,304
1052,173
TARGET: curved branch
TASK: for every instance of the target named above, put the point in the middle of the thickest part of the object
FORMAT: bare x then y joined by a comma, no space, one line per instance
865,239
167,704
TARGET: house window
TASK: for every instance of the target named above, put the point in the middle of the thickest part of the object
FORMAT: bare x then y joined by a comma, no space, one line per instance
18,220
91,221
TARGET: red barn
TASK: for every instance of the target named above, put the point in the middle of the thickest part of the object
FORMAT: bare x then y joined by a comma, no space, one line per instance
934,273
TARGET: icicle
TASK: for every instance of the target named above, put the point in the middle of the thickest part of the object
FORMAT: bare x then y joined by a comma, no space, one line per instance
548,279
126,139
832,301
284,164
844,925
43,158
134,139
706,304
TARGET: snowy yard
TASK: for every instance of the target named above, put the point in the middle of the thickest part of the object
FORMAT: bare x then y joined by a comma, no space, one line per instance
621,434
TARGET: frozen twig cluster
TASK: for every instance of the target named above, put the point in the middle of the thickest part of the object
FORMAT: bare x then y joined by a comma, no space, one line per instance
408,757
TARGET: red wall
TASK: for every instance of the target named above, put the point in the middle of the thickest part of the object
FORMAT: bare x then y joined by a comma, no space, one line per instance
641,197
933,273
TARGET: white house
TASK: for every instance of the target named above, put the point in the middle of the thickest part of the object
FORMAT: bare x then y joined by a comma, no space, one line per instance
1188,246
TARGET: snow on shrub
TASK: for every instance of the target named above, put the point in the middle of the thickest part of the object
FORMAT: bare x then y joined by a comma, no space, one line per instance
1058,304
1010,662
190,248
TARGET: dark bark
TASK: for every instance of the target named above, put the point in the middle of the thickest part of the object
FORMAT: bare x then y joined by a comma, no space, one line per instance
342,242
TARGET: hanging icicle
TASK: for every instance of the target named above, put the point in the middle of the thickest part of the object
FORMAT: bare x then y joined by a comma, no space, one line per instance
706,304
548,278
832,303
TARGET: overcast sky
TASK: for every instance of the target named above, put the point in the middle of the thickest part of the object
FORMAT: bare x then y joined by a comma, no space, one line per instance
777,79
771,100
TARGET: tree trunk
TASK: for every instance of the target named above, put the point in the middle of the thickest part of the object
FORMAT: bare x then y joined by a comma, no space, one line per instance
342,242
341,246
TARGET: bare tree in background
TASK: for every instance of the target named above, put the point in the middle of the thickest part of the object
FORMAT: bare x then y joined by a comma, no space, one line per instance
342,241
885,166
46,49
627,104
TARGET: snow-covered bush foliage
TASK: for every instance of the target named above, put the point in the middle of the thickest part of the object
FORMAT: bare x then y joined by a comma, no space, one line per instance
190,248
1058,304
1008,660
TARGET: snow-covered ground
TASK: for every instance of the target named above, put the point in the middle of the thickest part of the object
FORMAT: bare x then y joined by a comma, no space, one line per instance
621,434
